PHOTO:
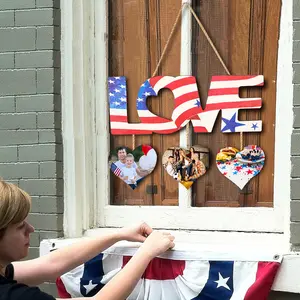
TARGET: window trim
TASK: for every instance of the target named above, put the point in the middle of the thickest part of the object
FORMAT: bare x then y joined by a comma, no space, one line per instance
86,143
83,84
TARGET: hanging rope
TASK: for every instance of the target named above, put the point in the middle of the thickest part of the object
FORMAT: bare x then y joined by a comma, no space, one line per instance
169,39
163,54
133,142
211,44
208,38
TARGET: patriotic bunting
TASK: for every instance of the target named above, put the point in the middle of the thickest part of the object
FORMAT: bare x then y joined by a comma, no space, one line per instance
168,279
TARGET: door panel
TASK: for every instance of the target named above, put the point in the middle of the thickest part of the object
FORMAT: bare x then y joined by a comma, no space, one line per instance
246,35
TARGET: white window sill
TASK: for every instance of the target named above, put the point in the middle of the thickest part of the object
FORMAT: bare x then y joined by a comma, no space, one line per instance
215,246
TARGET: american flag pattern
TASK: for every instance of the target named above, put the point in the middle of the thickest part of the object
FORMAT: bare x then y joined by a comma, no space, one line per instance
223,95
168,279
117,171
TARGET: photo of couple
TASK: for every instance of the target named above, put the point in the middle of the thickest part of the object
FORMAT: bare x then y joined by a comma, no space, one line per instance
133,166
186,165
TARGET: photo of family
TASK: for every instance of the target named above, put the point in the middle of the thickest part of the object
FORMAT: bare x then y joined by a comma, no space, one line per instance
186,165
133,166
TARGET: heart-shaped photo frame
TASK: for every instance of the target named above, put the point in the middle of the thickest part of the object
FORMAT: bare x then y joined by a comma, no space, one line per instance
132,166
186,165
240,166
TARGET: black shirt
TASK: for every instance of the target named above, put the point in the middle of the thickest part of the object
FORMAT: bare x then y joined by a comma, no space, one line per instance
11,290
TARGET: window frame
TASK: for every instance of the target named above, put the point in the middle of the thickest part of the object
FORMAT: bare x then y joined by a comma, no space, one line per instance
86,138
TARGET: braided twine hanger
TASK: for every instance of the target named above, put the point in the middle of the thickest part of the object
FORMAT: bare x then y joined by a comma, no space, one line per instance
165,50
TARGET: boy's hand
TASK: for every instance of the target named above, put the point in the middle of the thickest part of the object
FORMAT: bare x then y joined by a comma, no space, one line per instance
137,233
157,243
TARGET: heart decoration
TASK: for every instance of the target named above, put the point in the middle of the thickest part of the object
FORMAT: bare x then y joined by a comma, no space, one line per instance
132,166
240,166
186,165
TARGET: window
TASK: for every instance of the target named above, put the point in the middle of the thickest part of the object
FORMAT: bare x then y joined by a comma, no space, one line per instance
138,32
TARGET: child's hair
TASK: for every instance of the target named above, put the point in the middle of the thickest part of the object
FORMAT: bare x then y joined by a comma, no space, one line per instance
130,156
15,205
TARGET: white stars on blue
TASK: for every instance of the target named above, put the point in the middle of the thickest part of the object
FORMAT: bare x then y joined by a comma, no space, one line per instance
145,91
117,92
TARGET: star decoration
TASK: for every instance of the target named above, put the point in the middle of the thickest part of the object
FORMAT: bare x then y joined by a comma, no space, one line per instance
198,103
239,168
254,126
89,286
231,124
222,282
117,95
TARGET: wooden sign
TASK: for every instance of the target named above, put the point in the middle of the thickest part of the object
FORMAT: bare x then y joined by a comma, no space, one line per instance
223,95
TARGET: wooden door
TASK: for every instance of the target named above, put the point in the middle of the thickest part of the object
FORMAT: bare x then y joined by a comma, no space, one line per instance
246,34
138,33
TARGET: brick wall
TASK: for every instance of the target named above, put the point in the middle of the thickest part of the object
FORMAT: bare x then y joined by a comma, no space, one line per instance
295,181
30,120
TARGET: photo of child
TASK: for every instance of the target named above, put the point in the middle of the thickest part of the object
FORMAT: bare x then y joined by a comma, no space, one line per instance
132,166
129,174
